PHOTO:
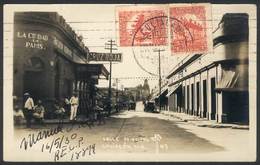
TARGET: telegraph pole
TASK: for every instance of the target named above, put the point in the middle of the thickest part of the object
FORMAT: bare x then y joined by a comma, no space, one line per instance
160,78
111,44
117,81
117,107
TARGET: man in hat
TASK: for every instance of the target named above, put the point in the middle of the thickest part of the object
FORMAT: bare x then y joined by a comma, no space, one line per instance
74,102
28,109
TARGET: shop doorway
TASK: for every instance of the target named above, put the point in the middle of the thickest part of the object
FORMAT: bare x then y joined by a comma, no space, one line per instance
192,99
179,99
57,81
205,103
33,84
198,98
33,79
213,99
183,100
235,104
188,99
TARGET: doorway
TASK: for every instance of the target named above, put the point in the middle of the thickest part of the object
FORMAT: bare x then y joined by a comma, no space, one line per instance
198,98
236,105
192,99
213,99
33,82
33,78
188,99
205,103
183,99
57,81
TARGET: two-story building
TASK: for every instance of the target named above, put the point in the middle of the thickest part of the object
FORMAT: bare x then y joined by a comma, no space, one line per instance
51,61
214,85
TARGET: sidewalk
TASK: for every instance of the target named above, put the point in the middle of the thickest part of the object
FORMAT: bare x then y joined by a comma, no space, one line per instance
80,119
202,122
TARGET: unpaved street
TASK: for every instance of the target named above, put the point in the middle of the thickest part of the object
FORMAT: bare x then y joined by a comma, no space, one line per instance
137,132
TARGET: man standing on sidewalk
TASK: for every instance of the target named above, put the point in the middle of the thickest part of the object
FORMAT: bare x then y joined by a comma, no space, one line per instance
28,109
74,102
100,113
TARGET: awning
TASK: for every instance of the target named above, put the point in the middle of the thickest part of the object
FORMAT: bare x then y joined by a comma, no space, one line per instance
173,90
164,92
170,93
232,80
84,71
228,79
99,95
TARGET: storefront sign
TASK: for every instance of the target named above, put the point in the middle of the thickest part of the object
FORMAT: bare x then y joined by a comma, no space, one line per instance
94,56
180,74
33,40
62,47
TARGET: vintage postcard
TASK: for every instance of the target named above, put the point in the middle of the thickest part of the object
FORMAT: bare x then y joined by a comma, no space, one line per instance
129,82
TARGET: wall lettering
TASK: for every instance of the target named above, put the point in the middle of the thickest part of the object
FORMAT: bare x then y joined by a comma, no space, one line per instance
33,40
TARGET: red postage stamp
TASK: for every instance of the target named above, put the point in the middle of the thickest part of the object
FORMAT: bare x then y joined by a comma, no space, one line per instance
142,25
188,29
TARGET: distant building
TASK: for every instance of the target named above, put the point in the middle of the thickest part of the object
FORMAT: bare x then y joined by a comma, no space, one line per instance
160,99
131,93
146,89
140,92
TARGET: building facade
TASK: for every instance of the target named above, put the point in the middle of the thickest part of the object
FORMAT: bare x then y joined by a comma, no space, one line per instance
215,85
160,97
51,61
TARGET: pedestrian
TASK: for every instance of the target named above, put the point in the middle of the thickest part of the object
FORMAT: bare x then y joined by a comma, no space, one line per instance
18,115
90,114
100,114
28,109
67,106
74,102
38,113
60,112
117,107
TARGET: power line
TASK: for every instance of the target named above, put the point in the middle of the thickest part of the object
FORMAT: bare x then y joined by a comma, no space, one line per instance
121,78
84,22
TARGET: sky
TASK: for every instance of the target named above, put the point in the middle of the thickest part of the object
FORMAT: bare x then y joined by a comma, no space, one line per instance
97,25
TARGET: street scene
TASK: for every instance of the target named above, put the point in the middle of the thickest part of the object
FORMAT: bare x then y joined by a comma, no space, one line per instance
136,131
162,82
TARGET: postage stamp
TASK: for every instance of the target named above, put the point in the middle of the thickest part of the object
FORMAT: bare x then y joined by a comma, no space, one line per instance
188,28
146,24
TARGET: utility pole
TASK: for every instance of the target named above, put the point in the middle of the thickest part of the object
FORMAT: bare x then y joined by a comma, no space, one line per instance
117,81
160,78
117,107
110,44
